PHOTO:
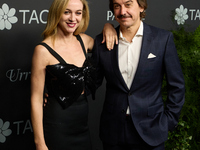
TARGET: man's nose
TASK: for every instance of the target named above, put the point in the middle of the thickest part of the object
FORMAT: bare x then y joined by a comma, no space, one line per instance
123,10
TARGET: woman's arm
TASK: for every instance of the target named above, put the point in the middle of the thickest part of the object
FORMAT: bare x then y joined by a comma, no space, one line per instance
109,36
88,42
39,63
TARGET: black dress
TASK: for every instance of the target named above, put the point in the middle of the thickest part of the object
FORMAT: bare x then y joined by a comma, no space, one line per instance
65,117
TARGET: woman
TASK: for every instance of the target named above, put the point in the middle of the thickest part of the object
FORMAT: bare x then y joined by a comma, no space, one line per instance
59,63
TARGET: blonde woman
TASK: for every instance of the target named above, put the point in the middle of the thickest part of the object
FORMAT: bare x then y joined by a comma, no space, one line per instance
60,64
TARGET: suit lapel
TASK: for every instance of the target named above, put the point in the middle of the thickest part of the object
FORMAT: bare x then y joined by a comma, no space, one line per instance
115,62
145,50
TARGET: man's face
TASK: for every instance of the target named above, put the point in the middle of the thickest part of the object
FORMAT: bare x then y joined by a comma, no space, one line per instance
127,12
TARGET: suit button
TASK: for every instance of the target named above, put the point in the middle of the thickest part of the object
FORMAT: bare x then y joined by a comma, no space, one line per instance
129,94
123,111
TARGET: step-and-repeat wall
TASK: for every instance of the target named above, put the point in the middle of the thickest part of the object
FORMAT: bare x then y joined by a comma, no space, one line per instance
21,25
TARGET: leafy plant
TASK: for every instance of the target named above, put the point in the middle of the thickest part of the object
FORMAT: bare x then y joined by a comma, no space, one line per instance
179,137
187,134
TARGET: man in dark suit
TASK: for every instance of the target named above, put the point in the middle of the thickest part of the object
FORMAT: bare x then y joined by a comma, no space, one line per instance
134,115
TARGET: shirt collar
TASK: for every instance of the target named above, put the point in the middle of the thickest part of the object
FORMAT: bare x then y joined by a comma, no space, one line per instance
139,32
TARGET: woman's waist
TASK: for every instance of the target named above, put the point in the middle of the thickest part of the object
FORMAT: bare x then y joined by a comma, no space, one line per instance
54,112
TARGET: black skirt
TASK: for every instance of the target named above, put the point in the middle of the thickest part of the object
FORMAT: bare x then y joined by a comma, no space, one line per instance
67,129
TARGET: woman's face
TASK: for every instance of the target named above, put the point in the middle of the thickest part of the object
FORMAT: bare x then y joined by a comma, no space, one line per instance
72,16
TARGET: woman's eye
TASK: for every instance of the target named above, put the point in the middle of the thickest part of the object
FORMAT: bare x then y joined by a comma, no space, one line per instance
79,13
66,12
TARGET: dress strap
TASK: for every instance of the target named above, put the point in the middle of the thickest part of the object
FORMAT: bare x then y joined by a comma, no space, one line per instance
81,42
56,55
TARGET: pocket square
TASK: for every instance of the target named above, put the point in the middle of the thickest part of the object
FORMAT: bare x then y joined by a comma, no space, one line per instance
151,56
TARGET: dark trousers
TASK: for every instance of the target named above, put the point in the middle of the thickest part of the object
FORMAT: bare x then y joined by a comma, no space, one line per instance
132,147
131,140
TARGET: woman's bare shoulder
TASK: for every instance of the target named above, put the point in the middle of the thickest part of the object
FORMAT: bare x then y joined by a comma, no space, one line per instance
88,41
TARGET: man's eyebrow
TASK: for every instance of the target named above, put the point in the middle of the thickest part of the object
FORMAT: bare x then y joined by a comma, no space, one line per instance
128,1
125,2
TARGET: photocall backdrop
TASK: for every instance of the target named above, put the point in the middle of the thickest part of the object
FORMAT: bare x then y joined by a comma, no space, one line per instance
21,25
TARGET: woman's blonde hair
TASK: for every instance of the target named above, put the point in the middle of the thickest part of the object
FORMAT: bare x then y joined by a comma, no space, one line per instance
56,10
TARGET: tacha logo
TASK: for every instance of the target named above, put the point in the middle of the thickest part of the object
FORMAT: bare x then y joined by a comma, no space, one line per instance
181,15
7,17
4,131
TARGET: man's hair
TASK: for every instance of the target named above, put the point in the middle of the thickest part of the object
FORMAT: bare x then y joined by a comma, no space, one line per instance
141,3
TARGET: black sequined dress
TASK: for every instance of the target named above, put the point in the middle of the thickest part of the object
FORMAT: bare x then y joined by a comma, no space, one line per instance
65,117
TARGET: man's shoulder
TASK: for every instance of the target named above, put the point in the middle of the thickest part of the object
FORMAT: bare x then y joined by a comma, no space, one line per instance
100,36
155,30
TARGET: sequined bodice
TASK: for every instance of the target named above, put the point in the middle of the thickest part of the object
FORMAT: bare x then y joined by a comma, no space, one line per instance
66,81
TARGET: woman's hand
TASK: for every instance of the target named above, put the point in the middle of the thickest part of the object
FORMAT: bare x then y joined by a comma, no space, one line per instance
109,36
45,98
41,147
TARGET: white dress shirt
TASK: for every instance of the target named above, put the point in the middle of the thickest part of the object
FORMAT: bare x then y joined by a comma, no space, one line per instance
128,55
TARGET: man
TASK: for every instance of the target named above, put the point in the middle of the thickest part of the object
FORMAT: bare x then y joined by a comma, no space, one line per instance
134,115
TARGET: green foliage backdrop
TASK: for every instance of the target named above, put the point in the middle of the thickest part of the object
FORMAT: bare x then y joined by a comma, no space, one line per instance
187,134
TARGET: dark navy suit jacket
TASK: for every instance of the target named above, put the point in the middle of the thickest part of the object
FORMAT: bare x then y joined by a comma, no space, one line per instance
151,116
